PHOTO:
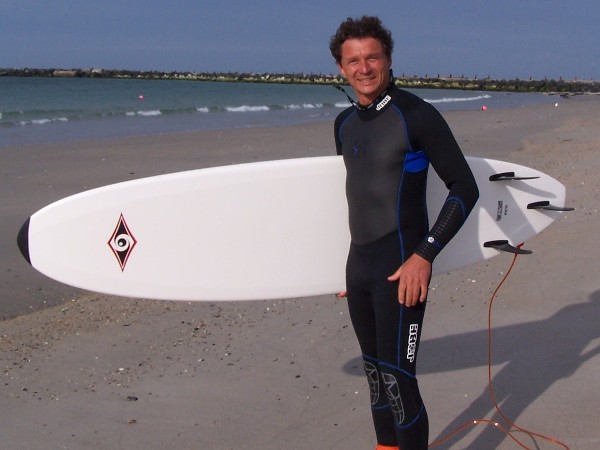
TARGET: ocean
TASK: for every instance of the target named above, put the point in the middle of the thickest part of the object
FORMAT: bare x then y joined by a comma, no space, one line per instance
51,110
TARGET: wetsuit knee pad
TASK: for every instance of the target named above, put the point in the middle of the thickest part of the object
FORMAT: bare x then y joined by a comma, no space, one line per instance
402,394
378,397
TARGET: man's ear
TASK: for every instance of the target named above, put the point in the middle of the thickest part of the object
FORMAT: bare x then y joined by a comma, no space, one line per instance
342,72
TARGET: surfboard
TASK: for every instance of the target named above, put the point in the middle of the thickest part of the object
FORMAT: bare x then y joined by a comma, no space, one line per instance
275,229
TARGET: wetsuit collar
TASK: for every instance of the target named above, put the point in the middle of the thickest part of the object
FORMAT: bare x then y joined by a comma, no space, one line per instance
379,102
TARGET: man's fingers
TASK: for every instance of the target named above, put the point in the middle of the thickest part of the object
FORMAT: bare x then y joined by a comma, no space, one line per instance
410,296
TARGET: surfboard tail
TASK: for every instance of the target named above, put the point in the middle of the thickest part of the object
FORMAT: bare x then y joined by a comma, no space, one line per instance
23,240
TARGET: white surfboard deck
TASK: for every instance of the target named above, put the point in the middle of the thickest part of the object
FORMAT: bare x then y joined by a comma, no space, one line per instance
264,230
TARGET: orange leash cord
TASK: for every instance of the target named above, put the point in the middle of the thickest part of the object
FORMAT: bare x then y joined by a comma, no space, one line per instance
506,429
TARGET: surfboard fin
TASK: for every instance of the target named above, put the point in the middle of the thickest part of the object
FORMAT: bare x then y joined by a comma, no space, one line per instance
508,176
504,246
545,205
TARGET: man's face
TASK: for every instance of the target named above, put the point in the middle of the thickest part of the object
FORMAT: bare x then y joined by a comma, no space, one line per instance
366,67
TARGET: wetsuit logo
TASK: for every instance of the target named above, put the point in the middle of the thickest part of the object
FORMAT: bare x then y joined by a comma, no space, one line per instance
413,334
357,149
383,102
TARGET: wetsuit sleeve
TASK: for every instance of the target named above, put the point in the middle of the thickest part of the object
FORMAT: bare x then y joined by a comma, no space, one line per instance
430,133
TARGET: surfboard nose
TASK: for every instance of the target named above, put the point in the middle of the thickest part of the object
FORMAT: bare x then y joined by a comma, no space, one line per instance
23,240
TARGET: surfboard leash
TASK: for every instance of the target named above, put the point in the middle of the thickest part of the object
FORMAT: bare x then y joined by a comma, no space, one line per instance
509,427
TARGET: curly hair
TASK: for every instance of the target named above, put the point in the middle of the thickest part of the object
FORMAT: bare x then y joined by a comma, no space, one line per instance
364,27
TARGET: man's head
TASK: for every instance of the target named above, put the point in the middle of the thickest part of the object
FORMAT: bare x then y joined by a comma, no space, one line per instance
366,26
362,49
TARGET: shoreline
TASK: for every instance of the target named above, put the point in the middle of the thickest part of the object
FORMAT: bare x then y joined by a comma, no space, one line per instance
84,370
65,131
136,117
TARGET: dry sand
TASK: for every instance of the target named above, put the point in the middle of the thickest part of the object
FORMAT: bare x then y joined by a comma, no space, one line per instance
83,370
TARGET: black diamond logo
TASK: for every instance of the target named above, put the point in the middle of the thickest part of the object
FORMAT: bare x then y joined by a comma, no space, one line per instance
122,242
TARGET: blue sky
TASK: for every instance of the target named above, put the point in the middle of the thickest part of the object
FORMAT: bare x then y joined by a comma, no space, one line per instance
500,38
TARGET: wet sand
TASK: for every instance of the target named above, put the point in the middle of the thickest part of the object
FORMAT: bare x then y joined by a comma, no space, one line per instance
83,370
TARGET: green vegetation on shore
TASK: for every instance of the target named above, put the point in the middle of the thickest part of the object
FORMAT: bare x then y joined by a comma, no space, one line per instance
549,86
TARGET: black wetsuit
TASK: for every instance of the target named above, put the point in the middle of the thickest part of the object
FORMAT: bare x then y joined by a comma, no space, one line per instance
387,149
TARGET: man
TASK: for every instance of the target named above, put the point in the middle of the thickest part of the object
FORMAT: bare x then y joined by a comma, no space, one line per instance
388,138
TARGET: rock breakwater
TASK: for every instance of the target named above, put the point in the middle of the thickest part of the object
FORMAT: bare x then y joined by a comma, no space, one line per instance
550,86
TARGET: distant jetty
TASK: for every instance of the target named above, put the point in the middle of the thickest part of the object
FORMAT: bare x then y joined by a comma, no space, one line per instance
548,86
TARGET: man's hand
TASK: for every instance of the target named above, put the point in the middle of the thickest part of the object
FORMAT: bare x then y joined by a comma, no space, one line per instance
413,277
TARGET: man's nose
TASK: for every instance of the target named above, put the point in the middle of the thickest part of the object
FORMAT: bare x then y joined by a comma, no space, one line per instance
364,67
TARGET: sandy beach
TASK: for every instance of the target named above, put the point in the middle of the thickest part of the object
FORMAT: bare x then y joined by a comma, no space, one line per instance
87,371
